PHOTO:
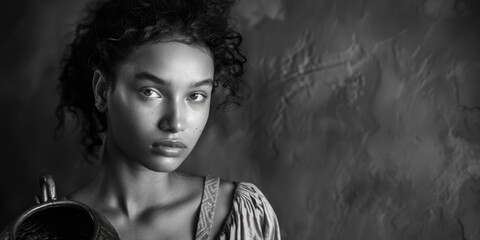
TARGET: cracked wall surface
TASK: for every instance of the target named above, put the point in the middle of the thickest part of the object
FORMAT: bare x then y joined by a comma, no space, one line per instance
363,120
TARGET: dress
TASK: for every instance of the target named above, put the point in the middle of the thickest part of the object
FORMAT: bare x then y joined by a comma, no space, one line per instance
251,215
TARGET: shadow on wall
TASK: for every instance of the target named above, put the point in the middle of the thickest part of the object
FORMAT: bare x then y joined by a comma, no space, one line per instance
362,124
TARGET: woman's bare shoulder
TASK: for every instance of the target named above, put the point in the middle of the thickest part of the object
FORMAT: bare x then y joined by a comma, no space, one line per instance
197,182
81,194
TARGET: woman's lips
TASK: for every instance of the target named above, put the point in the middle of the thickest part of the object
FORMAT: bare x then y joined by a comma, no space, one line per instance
169,148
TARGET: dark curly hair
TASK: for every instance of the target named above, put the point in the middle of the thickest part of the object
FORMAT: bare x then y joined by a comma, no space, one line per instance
112,29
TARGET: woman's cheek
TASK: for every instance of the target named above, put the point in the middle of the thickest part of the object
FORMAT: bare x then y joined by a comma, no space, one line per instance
201,113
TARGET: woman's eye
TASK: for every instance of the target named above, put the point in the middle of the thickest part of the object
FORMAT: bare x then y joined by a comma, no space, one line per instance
198,97
150,93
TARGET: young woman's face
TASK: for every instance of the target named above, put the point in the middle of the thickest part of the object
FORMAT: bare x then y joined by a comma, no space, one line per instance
160,104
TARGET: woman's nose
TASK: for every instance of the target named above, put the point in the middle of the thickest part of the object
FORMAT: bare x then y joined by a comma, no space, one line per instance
173,118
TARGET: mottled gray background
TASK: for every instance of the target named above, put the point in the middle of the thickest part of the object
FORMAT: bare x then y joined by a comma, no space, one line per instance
362,123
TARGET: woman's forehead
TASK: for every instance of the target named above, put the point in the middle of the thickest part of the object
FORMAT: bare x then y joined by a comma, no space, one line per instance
170,60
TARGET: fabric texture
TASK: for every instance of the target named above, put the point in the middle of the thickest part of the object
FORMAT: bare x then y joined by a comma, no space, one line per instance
207,208
251,216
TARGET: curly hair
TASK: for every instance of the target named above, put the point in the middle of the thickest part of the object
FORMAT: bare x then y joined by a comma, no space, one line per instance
112,29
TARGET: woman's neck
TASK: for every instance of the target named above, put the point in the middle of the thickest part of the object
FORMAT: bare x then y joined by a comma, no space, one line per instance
127,186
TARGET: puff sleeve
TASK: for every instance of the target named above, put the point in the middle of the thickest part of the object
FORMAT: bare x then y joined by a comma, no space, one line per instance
251,216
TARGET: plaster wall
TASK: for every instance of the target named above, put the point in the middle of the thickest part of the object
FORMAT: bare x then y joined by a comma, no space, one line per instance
362,123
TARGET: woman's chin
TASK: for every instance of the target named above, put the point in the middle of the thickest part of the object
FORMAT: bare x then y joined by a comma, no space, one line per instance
164,164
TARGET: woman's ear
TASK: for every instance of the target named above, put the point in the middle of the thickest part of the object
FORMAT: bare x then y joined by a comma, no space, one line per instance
100,91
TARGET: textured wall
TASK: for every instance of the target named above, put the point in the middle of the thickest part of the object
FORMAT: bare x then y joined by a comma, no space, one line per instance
362,121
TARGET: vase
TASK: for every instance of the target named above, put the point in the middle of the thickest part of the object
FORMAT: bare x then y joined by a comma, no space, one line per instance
54,219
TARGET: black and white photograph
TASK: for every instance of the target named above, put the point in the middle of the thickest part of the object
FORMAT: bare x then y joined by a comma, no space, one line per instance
240,120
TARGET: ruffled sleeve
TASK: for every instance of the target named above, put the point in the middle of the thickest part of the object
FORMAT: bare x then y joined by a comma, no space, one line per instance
251,216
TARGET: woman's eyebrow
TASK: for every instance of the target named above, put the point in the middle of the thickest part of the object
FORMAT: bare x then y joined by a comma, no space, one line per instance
150,77
202,83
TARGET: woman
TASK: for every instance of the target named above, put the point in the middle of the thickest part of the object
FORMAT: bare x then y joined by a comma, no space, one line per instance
139,78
